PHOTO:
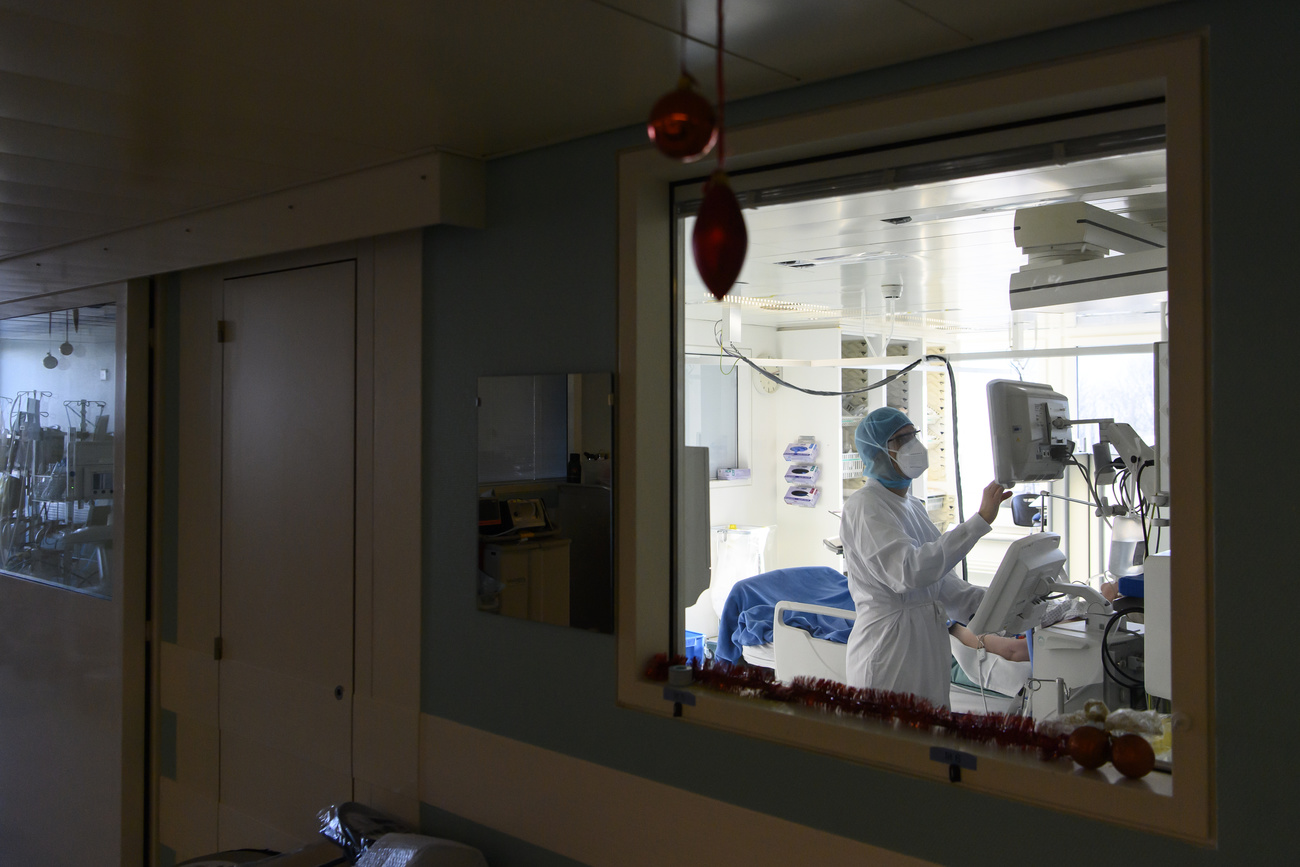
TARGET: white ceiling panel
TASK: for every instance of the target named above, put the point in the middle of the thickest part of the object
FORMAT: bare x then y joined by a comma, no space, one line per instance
953,259
43,172
794,39
119,18
41,48
985,22
120,113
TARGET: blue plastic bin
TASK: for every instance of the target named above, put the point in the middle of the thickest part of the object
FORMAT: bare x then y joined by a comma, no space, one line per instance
1132,585
694,647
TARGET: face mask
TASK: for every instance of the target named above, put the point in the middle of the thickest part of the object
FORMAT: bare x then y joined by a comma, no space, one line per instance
912,458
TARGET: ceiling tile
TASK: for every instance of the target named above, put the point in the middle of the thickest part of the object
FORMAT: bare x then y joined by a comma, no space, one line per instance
984,22
34,171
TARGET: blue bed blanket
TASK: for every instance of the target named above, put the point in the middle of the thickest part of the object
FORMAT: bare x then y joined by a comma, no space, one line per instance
747,614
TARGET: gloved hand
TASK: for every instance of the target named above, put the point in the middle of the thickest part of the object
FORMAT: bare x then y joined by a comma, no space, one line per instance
991,501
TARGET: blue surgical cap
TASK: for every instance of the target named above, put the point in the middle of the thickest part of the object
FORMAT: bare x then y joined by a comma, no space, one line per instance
872,439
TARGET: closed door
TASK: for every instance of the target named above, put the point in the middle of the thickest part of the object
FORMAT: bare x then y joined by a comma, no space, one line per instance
287,551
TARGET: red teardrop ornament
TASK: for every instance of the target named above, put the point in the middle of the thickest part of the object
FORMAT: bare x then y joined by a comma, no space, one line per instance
720,239
682,125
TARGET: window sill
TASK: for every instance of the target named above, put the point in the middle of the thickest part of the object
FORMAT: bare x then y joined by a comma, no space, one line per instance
1146,804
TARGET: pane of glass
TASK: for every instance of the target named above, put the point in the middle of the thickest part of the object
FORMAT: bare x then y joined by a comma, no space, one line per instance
711,413
522,433
56,485
551,420
914,271
545,499
1118,387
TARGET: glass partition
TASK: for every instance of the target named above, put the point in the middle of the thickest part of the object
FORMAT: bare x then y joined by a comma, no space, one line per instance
57,402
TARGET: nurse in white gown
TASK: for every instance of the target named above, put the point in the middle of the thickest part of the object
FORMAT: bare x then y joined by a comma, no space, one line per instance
900,568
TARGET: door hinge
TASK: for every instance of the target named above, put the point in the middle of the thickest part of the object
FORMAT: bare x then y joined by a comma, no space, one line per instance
216,648
223,331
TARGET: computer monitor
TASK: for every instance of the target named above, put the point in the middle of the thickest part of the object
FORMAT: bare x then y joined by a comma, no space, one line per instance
1033,567
1026,447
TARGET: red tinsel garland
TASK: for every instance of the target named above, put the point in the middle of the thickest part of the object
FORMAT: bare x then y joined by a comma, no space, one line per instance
829,695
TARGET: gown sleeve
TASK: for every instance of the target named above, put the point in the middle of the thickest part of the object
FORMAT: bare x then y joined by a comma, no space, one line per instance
897,561
959,598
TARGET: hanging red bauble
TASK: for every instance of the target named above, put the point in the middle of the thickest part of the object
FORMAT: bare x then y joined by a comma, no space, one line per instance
720,238
682,125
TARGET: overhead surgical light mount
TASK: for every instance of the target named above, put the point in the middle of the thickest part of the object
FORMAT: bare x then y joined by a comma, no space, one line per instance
1070,265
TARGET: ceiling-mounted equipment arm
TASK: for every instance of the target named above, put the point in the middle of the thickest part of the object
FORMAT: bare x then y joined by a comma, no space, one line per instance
1132,452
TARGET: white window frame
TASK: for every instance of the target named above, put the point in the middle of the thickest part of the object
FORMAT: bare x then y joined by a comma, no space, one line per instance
1180,805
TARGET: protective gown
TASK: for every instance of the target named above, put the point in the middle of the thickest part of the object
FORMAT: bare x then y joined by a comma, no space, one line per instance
904,591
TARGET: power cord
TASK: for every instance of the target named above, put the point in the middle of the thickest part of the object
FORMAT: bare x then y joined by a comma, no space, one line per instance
1108,662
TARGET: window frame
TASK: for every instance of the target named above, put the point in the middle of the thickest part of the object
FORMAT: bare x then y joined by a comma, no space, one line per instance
1181,805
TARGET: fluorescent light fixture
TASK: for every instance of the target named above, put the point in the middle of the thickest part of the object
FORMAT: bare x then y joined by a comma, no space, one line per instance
775,305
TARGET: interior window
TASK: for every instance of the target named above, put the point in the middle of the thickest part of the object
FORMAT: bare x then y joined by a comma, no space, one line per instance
57,407
928,211
860,289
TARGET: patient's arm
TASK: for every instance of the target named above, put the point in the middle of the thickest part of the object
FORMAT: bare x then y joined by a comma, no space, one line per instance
1014,649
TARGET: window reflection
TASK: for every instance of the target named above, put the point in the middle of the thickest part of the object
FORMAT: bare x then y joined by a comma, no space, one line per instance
545,507
56,483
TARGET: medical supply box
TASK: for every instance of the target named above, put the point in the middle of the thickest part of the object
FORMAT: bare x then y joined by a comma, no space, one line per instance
801,451
803,474
802,495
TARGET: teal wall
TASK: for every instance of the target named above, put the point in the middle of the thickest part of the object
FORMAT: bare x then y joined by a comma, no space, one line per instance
535,292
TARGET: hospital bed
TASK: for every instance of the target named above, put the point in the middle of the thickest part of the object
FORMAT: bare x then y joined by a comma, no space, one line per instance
797,622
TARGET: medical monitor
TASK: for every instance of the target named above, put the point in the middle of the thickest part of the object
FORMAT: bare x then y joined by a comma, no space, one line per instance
1015,601
1026,447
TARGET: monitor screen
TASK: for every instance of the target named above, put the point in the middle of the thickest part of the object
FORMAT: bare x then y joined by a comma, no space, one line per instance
1015,600
1026,447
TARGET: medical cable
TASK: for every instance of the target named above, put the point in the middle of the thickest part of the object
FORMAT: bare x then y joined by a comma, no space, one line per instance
1121,495
717,335
1142,511
1108,662
1087,480
980,653
735,353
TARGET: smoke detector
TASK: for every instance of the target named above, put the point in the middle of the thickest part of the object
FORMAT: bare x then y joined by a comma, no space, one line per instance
891,291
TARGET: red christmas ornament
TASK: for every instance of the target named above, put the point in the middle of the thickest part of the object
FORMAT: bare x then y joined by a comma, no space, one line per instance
720,238
1089,746
1132,756
682,125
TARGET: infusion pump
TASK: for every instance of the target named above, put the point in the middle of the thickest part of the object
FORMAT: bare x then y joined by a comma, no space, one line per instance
90,469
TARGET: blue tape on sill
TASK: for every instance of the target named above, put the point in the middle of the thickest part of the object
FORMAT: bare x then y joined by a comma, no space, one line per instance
679,696
945,756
